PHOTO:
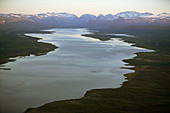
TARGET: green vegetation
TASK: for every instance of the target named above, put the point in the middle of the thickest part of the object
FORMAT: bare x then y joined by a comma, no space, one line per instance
159,42
146,91
13,44
100,36
151,37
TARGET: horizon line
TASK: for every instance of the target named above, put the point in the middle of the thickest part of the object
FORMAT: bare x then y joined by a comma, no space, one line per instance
81,14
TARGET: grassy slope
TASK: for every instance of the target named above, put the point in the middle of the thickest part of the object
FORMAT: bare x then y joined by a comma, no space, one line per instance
13,44
146,91
158,42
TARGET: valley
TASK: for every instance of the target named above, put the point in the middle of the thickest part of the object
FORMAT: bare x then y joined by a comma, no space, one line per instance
119,62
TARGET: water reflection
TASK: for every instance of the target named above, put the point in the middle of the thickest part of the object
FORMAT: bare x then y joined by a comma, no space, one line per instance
79,64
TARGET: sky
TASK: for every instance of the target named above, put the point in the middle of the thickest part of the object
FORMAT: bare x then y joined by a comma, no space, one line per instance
80,7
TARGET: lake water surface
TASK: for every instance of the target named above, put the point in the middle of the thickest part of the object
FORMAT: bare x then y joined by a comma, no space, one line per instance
79,64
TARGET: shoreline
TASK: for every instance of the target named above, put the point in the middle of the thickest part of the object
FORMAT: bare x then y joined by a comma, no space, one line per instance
91,90
21,34
99,99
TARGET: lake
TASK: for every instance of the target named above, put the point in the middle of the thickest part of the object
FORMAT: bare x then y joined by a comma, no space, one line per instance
79,64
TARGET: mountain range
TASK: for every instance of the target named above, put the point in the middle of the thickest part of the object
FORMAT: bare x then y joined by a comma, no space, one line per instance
53,19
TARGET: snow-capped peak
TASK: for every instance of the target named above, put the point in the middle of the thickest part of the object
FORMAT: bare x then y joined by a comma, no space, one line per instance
128,14
146,14
133,14
111,17
55,14
164,15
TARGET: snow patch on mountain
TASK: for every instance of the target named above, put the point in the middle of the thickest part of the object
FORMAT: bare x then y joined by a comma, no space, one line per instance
133,14
54,14
55,18
128,14
164,15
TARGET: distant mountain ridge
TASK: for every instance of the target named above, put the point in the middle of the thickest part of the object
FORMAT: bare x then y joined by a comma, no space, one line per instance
55,19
